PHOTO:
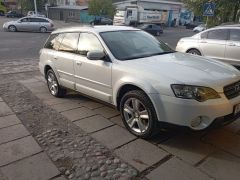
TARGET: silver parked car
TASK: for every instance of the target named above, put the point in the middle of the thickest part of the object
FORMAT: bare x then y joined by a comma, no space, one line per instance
222,43
147,81
39,24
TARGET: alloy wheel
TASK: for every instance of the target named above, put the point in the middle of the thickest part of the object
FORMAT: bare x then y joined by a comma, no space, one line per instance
136,115
52,84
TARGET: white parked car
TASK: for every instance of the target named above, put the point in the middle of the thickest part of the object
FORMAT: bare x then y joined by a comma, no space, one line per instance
33,13
200,28
221,43
147,81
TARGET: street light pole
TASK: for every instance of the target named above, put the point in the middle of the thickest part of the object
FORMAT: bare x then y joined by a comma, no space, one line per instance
35,6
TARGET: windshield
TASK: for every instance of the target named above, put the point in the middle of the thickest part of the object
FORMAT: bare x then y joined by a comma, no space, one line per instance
126,45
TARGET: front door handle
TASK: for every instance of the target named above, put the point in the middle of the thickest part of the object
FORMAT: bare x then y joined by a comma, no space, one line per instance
79,63
203,41
55,57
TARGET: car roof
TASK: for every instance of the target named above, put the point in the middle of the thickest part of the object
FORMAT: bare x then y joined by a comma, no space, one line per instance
95,29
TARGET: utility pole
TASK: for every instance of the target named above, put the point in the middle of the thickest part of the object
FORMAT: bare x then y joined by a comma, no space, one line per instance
35,6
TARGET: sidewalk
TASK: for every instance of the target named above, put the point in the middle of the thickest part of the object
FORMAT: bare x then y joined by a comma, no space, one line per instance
21,158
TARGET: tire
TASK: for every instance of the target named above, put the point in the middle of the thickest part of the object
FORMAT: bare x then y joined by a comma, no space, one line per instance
53,85
43,29
12,28
145,127
195,52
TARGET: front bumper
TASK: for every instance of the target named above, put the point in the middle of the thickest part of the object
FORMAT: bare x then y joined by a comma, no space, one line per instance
186,112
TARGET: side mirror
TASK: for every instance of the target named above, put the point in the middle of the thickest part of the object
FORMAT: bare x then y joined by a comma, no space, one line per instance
95,55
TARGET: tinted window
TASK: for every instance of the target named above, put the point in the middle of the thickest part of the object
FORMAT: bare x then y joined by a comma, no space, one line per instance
126,45
220,34
37,20
24,20
204,35
235,35
88,42
54,41
69,42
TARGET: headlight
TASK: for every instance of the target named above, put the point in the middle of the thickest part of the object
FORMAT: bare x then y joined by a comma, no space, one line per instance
198,93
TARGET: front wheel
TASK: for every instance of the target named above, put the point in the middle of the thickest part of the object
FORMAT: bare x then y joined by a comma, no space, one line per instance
138,114
53,85
195,52
12,28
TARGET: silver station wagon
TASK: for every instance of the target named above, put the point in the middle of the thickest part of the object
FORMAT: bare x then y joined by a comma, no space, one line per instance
38,24
146,80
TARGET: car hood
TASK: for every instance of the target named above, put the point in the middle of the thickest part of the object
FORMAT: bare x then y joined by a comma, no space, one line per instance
186,69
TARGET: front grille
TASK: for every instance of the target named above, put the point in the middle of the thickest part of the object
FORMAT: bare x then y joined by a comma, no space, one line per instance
232,90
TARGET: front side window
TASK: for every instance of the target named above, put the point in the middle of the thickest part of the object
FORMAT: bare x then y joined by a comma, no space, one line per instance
69,42
235,34
88,42
126,45
25,20
204,35
220,34
54,41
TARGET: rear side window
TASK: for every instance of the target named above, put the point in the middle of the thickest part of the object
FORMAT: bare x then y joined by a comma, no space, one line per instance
220,34
235,35
54,41
69,42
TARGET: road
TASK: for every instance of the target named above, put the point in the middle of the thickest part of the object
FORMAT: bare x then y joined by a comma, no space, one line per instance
22,45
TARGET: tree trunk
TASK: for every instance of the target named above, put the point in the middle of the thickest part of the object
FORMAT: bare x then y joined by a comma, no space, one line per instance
236,11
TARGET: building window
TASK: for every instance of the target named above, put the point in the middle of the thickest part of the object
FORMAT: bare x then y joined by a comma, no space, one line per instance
71,14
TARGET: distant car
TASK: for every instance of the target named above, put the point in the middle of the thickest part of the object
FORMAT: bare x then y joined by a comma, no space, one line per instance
12,14
193,25
152,29
101,21
33,13
222,43
200,28
30,24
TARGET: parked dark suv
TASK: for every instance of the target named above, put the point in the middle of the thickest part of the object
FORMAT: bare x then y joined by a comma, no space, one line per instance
13,14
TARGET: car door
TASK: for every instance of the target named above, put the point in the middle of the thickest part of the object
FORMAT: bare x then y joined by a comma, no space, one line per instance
214,44
92,77
34,24
22,24
63,59
233,47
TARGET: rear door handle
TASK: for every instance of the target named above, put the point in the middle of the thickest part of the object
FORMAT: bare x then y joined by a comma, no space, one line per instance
231,44
203,41
55,57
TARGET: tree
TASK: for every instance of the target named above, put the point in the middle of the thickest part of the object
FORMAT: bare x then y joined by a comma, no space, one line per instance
226,10
28,5
101,8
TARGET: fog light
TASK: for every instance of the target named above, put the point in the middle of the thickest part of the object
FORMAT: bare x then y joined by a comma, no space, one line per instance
196,122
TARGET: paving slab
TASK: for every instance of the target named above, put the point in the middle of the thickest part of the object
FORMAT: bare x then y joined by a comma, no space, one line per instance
233,127
188,148
4,109
37,87
91,104
37,167
107,112
228,141
32,80
222,166
79,113
9,120
117,120
1,100
177,169
18,149
66,106
93,123
41,78
13,132
141,154
113,137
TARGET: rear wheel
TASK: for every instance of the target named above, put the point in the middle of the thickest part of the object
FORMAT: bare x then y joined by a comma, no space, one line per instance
53,85
43,29
12,28
195,52
138,114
